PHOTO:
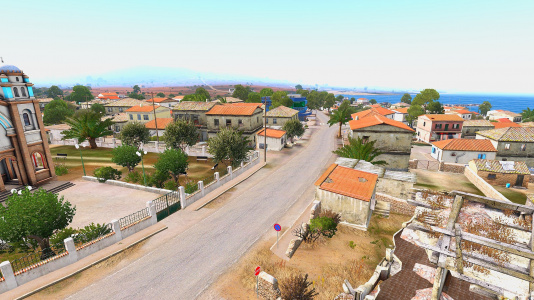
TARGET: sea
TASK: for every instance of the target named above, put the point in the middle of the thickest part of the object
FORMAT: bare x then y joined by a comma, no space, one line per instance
514,103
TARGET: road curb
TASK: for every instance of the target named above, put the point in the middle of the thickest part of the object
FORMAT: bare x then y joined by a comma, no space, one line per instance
90,265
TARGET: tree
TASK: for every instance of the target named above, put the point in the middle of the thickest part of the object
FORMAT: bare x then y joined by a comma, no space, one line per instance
136,89
136,96
134,134
435,107
172,95
329,100
241,92
528,115
285,101
180,134
360,149
173,162
298,87
194,97
57,111
303,93
87,126
484,107
277,96
372,101
229,147
254,97
414,111
352,99
293,128
203,93
54,92
35,216
80,93
406,98
340,98
98,108
425,97
342,115
266,92
160,95
126,156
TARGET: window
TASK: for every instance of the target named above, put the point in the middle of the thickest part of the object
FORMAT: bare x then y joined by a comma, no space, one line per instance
274,121
523,147
239,122
228,123
467,131
120,109
438,126
131,117
446,126
26,118
482,156
506,146
17,78
16,91
110,109
23,91
505,159
257,119
424,124
139,117
216,122
492,176
365,139
117,128
455,126
145,117
433,150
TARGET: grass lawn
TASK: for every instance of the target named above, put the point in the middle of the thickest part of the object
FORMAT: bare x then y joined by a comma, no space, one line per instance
442,181
95,158
512,195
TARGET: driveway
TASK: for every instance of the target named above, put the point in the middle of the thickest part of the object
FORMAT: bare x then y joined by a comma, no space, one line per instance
181,262
421,153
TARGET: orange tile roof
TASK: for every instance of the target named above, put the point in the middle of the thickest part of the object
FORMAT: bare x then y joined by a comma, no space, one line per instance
143,108
376,120
443,117
233,110
403,110
462,111
274,133
109,94
498,125
162,123
504,120
247,104
465,145
158,100
372,111
348,182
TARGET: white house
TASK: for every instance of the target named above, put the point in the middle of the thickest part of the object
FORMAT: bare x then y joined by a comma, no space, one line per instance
462,151
401,114
162,124
276,139
463,113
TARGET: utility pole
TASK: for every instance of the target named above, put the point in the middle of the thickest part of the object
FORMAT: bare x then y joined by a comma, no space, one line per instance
265,131
155,118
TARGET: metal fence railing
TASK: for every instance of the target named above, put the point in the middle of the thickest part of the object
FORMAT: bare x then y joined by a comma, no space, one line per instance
34,258
91,233
135,217
167,205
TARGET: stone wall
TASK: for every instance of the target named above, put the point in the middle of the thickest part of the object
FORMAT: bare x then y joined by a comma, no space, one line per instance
503,179
399,206
413,164
451,168
351,210
395,188
268,287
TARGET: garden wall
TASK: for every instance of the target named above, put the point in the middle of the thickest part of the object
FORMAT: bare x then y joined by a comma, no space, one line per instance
451,168
399,206
130,185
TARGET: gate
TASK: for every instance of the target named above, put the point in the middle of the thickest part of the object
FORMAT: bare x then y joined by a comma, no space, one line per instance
432,165
167,205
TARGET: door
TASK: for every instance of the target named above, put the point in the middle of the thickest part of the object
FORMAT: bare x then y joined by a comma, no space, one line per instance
519,181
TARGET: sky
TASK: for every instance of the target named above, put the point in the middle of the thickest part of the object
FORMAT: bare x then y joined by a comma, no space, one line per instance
454,46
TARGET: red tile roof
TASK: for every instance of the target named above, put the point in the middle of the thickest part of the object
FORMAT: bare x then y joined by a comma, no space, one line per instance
504,120
233,110
462,111
348,182
162,123
443,117
465,145
158,100
374,120
403,110
274,133
498,125
143,108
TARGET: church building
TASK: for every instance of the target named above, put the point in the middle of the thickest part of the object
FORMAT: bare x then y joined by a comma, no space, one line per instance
25,157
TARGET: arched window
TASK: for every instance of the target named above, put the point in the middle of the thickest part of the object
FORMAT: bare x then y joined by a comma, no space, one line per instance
23,92
26,118
39,162
17,78
16,92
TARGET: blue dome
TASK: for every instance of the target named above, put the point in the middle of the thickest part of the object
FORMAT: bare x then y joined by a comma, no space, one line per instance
9,68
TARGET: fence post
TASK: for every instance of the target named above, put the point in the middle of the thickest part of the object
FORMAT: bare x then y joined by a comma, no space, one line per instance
201,187
114,143
181,189
71,249
116,227
152,211
203,150
242,164
9,276
156,143
216,176
229,168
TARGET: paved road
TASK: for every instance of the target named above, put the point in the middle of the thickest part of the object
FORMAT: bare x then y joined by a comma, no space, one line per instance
184,265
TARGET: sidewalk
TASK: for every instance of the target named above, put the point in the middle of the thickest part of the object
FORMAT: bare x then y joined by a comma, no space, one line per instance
52,278
221,190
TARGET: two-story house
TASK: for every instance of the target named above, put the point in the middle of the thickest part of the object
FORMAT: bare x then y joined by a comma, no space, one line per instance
247,118
280,115
438,127
401,114
471,127
512,143
145,113
463,113
194,112
393,139
121,106
167,102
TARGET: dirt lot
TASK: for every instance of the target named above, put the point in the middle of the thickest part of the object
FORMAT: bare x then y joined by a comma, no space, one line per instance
328,263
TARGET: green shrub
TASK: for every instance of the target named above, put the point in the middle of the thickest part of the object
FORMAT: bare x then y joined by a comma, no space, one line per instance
134,177
107,173
171,185
56,240
352,244
330,214
191,187
61,170
158,178
327,226
91,232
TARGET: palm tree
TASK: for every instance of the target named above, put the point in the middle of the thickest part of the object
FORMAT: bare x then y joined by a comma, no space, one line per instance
528,115
359,149
342,115
88,126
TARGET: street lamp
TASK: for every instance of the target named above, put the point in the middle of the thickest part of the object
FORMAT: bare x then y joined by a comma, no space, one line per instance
83,166
142,164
